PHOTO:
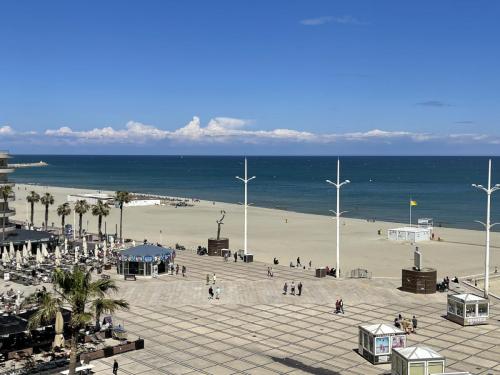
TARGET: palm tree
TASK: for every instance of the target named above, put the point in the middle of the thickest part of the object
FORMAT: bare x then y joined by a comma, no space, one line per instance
100,209
77,291
122,197
63,210
106,306
33,198
5,193
81,208
47,199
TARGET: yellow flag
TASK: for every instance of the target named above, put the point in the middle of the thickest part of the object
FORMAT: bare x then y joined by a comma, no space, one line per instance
413,203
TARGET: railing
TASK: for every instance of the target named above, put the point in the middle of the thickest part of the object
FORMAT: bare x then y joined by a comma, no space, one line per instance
360,273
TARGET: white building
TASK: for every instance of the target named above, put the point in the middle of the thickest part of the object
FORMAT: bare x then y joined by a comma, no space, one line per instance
411,234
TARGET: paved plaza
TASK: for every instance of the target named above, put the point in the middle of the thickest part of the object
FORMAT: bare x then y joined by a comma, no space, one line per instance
255,329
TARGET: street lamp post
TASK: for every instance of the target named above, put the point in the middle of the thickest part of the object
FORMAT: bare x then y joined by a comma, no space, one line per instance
489,190
337,213
245,180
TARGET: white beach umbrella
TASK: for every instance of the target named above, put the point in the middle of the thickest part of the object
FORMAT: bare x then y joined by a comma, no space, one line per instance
29,249
77,256
59,328
96,252
57,255
65,246
85,250
25,253
5,255
19,258
104,252
12,252
39,258
133,243
45,253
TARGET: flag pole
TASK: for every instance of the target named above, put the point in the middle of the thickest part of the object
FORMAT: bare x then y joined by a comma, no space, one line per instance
410,211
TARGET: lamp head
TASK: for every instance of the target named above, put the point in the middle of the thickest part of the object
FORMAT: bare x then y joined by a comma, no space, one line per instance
497,185
347,181
329,181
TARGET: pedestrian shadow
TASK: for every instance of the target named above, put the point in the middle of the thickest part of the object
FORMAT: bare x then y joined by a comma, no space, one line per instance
303,367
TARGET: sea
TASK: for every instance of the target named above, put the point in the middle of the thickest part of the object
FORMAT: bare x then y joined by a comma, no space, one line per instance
380,188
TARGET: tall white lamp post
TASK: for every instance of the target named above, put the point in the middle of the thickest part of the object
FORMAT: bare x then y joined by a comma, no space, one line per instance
245,180
489,190
337,213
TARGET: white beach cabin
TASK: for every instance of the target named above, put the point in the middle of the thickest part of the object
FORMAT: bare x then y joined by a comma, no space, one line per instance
417,360
468,309
411,234
376,342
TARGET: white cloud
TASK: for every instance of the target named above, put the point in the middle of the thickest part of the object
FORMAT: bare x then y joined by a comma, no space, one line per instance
6,130
227,129
344,20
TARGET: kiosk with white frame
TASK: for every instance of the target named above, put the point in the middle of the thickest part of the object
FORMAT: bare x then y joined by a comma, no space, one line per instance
376,342
467,309
417,360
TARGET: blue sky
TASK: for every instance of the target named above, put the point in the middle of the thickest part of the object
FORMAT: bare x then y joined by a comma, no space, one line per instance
256,77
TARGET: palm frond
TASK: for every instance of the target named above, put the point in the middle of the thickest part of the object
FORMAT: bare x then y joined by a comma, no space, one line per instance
49,306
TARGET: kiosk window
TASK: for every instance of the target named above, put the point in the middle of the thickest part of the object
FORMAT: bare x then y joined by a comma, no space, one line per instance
470,310
483,309
435,367
417,368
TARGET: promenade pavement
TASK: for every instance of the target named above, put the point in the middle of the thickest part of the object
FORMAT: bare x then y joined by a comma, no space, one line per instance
255,329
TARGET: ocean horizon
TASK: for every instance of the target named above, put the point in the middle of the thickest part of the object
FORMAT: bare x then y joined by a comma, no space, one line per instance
380,188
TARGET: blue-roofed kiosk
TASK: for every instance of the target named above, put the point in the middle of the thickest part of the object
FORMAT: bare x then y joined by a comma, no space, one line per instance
144,260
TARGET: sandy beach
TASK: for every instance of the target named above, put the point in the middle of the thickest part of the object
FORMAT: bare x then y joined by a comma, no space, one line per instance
283,234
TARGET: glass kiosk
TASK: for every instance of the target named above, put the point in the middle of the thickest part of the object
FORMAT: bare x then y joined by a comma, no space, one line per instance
467,309
376,342
416,360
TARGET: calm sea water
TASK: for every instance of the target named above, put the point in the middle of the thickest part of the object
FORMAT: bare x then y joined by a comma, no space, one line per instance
380,186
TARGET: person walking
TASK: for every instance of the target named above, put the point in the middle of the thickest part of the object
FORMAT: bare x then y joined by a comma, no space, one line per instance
177,269
115,367
285,288
208,279
272,272
210,293
299,287
292,289
310,264
298,262
414,323
183,271
217,292
214,278
341,306
235,257
268,271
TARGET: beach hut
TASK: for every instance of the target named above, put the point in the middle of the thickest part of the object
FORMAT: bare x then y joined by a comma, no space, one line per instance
144,260
417,360
467,309
376,342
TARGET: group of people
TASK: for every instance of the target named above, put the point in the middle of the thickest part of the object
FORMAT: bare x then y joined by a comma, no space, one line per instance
211,292
407,325
177,268
292,289
298,264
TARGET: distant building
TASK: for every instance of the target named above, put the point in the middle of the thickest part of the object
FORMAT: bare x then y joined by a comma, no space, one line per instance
5,211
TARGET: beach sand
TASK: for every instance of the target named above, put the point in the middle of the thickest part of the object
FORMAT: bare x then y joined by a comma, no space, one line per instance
283,234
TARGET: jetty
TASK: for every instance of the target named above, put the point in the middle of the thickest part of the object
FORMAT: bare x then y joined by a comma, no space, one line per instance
29,165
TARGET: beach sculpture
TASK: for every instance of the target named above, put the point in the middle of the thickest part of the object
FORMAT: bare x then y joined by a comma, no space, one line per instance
219,223
217,245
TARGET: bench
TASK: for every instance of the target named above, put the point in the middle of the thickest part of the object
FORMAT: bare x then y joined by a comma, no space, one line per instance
130,277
